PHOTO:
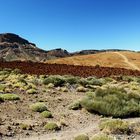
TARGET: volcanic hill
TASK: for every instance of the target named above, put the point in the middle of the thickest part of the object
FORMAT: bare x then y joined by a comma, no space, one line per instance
13,47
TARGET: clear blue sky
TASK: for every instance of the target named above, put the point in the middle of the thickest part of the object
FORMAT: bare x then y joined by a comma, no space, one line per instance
74,24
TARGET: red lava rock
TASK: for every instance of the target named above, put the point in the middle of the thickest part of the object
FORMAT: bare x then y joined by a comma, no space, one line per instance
63,69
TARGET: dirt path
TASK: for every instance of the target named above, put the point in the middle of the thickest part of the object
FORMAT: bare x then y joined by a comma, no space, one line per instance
132,65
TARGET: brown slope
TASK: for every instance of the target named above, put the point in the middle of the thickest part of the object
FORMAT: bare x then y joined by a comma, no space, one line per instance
62,69
106,59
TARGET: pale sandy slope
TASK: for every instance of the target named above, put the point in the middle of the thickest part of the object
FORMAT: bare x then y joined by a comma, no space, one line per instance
128,62
124,59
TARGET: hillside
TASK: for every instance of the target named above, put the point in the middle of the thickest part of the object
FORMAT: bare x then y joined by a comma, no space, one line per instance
121,59
13,47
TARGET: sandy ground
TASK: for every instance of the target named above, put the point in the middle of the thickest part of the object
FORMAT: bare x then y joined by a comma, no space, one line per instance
124,59
16,112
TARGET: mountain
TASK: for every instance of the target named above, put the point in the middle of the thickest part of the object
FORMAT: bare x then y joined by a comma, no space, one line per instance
13,47
85,52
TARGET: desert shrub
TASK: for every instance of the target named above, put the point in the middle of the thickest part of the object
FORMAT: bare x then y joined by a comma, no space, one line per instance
19,85
25,126
8,90
50,85
51,126
22,80
30,86
83,82
132,86
128,78
5,71
71,79
81,89
9,97
75,105
56,80
102,137
138,79
108,79
46,114
81,137
38,107
2,88
113,101
42,76
32,91
115,126
97,82
35,81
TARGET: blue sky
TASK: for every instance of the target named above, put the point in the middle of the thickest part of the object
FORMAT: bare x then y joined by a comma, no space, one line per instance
74,24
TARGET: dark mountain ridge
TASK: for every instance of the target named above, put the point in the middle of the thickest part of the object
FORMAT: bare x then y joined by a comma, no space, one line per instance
14,47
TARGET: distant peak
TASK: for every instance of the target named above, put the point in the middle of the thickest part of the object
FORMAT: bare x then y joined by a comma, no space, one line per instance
12,38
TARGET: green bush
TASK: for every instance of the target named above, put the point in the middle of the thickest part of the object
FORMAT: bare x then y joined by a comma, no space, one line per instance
97,82
114,102
51,126
38,107
128,78
102,137
84,82
81,137
56,80
9,97
71,79
75,106
116,126
25,126
32,91
46,114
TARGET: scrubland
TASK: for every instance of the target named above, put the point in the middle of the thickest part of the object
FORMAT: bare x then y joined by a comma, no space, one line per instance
68,107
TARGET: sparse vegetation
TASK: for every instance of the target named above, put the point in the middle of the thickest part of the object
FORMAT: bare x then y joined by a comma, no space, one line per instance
71,79
38,107
25,126
51,126
102,137
32,91
46,114
115,126
75,106
81,137
105,96
2,88
56,80
114,102
9,97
